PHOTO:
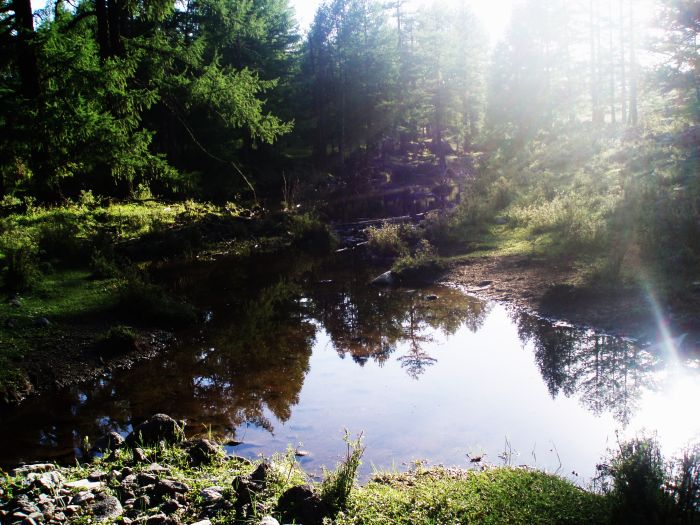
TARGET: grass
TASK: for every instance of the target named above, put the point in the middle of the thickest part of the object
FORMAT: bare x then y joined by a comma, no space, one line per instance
499,496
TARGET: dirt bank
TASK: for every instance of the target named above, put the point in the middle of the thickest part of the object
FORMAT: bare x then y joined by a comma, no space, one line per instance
545,289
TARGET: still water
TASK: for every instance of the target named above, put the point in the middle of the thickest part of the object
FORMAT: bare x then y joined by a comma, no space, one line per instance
295,350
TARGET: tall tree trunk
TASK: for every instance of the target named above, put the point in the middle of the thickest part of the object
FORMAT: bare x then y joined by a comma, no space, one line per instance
102,29
26,56
623,79
633,113
613,117
115,13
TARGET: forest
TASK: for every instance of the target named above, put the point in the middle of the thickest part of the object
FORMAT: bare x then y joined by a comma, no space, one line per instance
197,194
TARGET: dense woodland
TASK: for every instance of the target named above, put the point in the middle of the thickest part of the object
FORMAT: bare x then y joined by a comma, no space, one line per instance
580,125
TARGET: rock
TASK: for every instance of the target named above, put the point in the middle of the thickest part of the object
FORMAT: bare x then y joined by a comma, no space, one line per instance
158,428
302,505
483,284
431,297
261,473
84,484
203,451
268,520
98,475
81,498
211,495
24,506
111,441
42,322
158,519
301,453
203,522
146,478
47,482
106,508
139,455
501,221
240,459
15,302
385,279
158,469
72,510
142,502
170,507
127,471
168,487
37,467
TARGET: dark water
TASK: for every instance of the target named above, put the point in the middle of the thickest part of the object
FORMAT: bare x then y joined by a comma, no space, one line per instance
297,349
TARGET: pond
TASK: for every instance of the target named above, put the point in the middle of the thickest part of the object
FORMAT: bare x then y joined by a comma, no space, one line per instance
296,349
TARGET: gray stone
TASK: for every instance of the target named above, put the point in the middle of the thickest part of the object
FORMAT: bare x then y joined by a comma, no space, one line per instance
203,522
211,495
42,322
107,508
268,520
98,475
37,467
160,427
385,279
84,484
111,441
158,519
168,487
261,473
170,507
142,502
146,478
431,297
81,498
46,481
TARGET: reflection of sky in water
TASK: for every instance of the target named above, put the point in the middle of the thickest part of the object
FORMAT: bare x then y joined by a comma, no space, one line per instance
294,363
483,394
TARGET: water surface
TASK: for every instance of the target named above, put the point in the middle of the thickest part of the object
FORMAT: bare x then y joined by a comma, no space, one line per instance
296,350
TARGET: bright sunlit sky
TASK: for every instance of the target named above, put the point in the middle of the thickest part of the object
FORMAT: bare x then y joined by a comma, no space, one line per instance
494,14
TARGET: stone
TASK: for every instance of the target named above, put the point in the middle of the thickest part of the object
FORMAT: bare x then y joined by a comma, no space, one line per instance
46,481
170,507
240,459
301,453
155,467
142,502
72,510
127,471
98,475
203,522
158,519
211,495
203,451
146,478
431,297
302,505
42,322
37,467
15,302
111,441
81,498
385,279
168,487
268,520
261,473
106,508
84,484
160,427
139,455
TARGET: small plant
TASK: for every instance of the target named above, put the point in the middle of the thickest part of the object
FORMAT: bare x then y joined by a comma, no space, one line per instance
421,267
122,337
386,240
337,484
309,232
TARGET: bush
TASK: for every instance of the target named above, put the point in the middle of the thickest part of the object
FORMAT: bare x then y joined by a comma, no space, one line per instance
121,337
386,240
420,268
636,480
20,253
150,302
308,231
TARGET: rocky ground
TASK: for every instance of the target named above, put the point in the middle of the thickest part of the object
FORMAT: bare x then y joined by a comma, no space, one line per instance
198,483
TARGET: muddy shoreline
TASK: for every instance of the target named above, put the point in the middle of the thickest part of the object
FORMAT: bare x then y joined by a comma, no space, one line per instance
542,288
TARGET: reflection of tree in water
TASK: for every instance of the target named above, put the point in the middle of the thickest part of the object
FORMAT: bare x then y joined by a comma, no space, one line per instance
365,322
607,373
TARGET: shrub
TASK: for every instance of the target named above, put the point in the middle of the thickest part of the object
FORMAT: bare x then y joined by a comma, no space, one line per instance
151,303
121,337
420,268
386,240
308,231
19,250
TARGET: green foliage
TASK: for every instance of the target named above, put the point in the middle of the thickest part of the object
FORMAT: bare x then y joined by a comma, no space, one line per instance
387,240
421,267
141,300
18,259
308,231
338,484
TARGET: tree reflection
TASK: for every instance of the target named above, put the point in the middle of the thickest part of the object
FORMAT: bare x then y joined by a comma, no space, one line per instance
606,373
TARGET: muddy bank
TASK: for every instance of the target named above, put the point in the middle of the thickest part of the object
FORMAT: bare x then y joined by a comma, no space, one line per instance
79,354
545,289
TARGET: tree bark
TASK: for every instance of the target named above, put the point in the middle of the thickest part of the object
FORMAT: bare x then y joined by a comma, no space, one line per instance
26,56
